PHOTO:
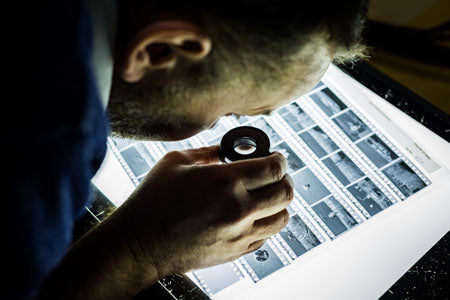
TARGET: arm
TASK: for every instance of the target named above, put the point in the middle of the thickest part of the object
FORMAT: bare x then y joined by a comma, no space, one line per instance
101,265
188,213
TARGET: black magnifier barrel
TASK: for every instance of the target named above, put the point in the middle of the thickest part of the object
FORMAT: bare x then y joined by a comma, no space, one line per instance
244,142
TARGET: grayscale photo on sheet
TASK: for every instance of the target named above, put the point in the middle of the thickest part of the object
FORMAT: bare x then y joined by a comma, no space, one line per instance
344,172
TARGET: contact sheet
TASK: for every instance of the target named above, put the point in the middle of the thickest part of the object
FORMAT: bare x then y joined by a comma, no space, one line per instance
345,171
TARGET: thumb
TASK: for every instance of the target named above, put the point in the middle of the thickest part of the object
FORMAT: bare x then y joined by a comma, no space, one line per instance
204,155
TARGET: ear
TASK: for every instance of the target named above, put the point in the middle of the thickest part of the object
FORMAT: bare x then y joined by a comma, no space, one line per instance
160,44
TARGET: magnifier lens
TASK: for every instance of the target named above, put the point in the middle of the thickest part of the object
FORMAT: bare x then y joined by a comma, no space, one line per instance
244,142
244,145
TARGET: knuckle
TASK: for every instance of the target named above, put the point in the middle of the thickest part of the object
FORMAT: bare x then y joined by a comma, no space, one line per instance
284,219
243,211
174,155
220,180
282,162
228,186
238,211
255,245
280,222
289,188
275,169
228,182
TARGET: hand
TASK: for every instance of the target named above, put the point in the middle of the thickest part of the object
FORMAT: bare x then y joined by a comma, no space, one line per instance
190,212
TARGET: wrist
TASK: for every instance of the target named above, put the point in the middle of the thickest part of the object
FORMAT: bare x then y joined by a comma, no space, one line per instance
147,260
137,263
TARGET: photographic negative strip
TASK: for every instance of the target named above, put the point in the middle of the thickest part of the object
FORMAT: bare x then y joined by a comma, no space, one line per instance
290,210
319,142
242,119
138,159
404,178
333,193
328,102
298,236
122,143
352,126
343,168
334,215
377,151
264,126
331,150
177,146
216,278
215,141
263,261
295,117
294,162
309,186
370,196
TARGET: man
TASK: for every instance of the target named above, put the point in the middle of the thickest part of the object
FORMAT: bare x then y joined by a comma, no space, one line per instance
169,69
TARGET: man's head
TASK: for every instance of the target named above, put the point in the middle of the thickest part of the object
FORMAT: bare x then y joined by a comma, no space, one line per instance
181,65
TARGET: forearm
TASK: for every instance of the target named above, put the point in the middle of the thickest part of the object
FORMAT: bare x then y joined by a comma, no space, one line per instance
101,265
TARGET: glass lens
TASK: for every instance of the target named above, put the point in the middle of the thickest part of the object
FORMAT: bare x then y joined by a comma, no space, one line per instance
244,145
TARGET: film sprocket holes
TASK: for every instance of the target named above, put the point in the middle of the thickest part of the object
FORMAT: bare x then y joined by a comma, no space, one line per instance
244,142
344,169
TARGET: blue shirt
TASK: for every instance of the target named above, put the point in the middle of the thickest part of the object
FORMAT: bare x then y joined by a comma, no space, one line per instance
59,141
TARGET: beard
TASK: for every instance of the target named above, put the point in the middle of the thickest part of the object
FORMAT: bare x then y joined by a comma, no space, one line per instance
134,127
139,113
167,105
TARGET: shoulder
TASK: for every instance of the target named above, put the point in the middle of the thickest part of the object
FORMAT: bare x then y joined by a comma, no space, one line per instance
58,140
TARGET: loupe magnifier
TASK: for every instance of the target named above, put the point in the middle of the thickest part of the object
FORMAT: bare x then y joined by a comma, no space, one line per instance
244,142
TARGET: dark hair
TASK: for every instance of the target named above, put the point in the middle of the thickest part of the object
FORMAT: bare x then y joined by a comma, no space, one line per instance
282,26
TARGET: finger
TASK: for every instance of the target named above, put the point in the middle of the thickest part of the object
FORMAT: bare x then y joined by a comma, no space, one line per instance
271,199
258,172
254,246
205,155
268,226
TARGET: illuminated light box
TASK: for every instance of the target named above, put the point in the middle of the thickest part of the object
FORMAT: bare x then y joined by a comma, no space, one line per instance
371,197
